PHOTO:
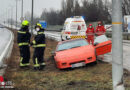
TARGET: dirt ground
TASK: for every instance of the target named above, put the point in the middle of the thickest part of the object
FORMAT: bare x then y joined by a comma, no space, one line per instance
90,77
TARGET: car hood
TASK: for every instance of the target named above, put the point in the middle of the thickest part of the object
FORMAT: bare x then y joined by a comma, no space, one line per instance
75,53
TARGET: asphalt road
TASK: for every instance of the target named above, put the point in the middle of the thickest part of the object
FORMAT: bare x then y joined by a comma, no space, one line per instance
126,56
4,39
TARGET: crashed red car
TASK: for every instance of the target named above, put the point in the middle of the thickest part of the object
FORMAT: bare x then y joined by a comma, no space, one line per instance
77,52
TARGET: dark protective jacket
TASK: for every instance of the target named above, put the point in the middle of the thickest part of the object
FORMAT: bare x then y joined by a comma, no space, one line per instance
39,40
23,36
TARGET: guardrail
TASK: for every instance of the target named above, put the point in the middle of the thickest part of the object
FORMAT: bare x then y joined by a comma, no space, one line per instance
7,51
126,36
53,30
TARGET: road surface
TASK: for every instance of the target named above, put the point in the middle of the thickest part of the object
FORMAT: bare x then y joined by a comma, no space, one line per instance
5,36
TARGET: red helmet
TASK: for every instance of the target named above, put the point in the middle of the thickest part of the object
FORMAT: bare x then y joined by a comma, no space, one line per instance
100,22
90,25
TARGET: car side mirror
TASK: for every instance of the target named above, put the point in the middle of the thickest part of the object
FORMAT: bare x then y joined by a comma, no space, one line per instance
53,53
95,44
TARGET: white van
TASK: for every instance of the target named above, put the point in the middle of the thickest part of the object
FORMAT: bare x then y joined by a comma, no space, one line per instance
74,27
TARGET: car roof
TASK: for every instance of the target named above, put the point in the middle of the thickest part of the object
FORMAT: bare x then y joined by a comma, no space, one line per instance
61,42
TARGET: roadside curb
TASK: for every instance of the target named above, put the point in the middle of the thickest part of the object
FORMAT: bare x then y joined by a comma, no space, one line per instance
6,53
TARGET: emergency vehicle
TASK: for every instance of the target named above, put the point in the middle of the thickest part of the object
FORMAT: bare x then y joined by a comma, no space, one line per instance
74,27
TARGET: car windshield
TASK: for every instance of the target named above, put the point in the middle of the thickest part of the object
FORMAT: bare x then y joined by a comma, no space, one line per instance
72,44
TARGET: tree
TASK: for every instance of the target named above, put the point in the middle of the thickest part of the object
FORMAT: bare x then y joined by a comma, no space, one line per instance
69,8
96,10
126,7
77,9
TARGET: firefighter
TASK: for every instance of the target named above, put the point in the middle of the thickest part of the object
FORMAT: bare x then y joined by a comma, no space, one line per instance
90,34
23,40
100,30
39,45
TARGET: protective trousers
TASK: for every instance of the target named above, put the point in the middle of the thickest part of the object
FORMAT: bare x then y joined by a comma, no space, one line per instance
38,59
25,55
90,39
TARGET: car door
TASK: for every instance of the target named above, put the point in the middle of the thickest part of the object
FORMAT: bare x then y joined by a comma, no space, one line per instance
102,45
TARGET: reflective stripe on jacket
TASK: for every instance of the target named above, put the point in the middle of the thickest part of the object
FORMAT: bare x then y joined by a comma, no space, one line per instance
23,37
40,45
23,44
22,32
39,40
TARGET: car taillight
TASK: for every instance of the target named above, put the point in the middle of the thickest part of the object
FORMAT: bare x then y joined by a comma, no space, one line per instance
67,32
90,58
64,64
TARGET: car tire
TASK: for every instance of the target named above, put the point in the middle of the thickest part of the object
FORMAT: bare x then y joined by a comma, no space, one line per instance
94,63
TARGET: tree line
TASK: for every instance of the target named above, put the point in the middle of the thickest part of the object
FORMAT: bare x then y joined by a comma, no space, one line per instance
92,10
126,7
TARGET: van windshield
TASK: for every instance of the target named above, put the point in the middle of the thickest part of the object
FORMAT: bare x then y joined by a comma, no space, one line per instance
72,44
73,27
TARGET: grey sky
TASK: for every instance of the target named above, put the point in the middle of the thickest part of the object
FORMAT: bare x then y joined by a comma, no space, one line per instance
5,5
38,4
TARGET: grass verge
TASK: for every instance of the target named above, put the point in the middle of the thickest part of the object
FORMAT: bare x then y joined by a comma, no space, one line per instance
96,77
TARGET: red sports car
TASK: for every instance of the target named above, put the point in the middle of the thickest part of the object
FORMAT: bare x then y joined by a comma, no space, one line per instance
77,52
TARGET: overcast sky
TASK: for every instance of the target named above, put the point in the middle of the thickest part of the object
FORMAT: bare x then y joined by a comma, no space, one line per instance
38,4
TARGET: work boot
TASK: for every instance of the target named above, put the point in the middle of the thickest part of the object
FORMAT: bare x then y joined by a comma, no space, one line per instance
42,67
24,67
36,68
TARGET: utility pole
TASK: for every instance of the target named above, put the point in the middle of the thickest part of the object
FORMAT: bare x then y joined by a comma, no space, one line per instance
32,17
117,46
8,17
16,12
11,17
22,12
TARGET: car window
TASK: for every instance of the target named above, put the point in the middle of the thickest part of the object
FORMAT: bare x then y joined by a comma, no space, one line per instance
101,39
72,44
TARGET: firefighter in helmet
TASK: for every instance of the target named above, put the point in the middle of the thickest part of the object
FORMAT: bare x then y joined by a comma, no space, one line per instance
23,40
90,34
39,46
100,30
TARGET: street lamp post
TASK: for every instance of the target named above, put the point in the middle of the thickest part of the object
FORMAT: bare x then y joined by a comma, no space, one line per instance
32,17
11,17
22,11
16,12
8,17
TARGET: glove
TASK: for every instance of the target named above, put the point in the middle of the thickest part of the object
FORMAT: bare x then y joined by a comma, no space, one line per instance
31,44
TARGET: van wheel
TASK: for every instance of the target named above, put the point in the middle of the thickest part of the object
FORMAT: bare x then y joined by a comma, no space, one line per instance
67,38
62,38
